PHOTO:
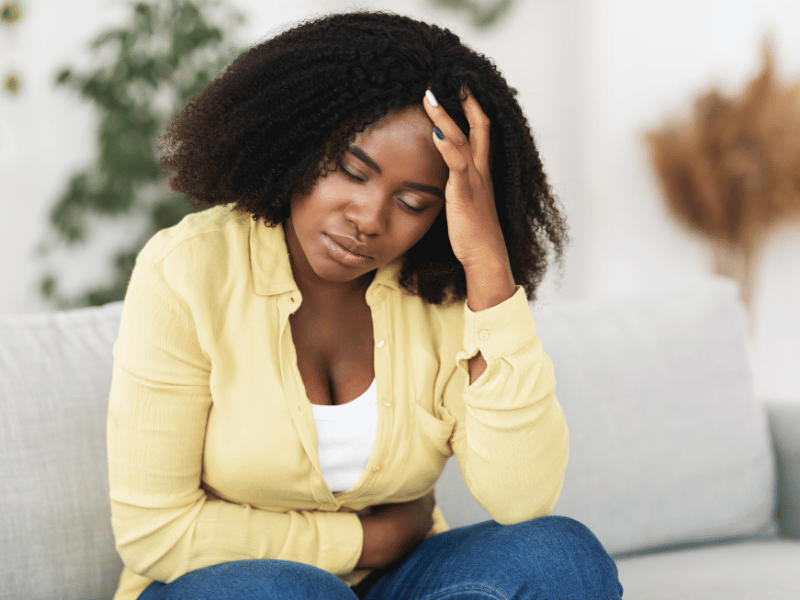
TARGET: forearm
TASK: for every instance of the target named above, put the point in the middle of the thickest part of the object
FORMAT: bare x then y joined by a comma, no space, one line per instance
513,461
164,543
511,438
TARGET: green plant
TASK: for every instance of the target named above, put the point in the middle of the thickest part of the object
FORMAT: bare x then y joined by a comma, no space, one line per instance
148,68
481,14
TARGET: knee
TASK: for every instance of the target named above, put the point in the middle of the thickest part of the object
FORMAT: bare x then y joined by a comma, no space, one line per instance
288,579
259,579
580,566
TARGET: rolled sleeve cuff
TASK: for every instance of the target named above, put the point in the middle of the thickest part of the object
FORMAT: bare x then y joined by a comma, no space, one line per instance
500,330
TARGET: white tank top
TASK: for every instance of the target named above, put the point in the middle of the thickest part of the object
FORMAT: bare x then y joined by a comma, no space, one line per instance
345,436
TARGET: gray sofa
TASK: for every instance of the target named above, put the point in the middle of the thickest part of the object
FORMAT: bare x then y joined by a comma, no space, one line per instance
690,483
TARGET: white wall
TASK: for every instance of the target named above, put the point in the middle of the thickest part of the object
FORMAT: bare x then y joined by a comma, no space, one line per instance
592,76
641,62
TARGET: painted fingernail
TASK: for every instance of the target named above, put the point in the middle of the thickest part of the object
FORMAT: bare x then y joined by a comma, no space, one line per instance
431,98
438,132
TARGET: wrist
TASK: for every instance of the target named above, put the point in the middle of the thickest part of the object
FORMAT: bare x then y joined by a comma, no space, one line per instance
489,284
367,558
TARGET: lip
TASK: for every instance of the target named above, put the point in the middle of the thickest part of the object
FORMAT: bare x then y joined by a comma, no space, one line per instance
345,250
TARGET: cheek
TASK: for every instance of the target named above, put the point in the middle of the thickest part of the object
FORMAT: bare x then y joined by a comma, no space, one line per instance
307,208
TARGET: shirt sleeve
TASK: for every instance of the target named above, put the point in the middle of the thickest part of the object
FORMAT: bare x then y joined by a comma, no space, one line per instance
510,438
164,522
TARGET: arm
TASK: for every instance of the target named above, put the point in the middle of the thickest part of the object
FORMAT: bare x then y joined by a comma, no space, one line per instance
472,222
164,521
511,438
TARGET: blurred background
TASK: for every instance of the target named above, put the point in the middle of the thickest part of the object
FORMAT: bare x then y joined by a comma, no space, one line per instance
595,77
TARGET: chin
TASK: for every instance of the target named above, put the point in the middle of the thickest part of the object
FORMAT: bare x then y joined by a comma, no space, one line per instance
336,273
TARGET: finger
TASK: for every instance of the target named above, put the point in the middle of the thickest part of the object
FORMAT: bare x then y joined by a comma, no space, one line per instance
452,144
458,161
447,127
479,127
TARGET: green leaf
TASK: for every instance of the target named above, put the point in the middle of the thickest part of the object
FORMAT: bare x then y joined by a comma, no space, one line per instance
47,286
168,212
483,16
63,77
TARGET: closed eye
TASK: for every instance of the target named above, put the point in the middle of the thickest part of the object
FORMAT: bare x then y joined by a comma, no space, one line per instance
412,208
351,174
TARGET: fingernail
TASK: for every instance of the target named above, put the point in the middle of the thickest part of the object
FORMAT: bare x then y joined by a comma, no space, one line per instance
438,132
431,98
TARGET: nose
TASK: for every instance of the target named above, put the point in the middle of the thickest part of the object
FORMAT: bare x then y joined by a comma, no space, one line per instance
369,212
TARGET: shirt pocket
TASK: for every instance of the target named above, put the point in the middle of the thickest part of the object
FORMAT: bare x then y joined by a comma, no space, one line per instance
433,432
428,451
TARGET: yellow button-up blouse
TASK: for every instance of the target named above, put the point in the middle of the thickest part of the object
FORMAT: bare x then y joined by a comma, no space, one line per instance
212,446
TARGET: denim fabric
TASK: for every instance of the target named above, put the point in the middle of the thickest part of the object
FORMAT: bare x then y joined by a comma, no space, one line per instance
257,579
552,558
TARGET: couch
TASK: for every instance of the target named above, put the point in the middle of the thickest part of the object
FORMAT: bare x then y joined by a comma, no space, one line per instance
689,482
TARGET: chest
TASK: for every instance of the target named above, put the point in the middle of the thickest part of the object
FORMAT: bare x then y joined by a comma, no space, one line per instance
261,438
335,352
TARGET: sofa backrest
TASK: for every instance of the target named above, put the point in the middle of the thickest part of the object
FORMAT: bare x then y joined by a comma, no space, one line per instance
55,518
667,444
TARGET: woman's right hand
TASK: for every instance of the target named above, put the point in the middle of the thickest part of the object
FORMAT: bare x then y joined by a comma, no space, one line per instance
392,530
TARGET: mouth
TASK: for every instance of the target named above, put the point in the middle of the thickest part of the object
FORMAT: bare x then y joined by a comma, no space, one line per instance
346,250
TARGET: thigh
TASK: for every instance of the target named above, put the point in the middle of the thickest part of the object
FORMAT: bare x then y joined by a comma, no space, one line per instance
550,558
253,580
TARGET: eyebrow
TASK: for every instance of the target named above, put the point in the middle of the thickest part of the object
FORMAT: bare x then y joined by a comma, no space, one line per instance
364,157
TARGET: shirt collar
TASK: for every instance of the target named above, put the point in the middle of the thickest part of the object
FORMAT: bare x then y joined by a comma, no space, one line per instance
272,271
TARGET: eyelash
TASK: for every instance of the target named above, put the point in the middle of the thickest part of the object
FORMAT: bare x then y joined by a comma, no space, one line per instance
351,175
355,177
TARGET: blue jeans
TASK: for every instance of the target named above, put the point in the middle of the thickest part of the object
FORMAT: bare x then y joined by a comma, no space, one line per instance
551,558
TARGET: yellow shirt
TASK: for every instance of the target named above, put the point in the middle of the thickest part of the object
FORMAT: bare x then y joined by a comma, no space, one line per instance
212,445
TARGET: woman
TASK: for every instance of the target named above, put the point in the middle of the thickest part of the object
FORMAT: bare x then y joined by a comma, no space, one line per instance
296,364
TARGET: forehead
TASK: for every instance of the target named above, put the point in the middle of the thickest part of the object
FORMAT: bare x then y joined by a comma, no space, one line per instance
403,137
409,120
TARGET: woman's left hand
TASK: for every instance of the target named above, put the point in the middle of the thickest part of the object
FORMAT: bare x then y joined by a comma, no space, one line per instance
472,220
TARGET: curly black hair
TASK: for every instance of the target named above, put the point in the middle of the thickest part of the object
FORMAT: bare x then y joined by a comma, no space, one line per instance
286,110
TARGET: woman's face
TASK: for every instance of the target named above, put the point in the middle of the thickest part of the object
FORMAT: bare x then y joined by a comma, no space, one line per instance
382,198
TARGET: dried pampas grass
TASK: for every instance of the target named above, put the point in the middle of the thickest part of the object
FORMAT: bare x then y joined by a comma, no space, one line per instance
733,170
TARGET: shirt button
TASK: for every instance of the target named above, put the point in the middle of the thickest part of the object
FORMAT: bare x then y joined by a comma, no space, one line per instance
376,468
484,335
377,292
380,342
299,408
386,402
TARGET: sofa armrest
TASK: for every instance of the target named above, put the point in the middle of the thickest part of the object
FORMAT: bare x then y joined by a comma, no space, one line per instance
784,421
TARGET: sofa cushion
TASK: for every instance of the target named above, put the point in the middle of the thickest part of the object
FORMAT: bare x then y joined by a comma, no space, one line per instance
666,441
751,570
55,373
